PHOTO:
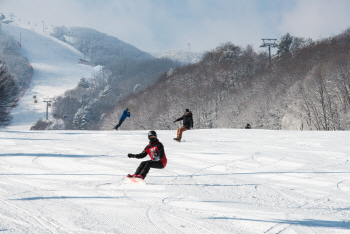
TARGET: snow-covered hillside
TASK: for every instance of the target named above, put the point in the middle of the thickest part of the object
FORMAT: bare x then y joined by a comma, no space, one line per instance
180,55
216,181
55,66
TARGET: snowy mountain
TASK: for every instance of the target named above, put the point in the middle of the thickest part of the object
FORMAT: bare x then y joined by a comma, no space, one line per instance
99,47
55,69
127,70
180,55
217,181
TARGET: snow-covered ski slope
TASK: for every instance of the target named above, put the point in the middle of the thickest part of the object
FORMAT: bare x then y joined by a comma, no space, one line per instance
56,70
216,181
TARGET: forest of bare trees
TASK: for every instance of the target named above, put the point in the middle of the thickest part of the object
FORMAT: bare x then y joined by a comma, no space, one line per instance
305,88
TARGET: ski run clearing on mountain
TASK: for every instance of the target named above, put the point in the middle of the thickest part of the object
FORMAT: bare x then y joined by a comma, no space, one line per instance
55,69
216,181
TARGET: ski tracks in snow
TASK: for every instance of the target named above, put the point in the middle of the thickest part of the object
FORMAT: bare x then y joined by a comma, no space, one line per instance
72,183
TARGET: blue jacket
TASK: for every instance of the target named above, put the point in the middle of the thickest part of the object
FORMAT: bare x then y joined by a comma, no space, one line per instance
124,115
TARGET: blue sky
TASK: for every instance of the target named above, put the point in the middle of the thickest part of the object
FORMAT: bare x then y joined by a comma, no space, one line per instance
157,25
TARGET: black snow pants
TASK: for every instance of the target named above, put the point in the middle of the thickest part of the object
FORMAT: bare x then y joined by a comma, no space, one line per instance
145,166
120,123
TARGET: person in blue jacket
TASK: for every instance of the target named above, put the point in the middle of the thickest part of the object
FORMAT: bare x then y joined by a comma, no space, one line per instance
125,114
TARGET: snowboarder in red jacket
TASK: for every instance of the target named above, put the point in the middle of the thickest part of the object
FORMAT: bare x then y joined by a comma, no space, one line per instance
155,150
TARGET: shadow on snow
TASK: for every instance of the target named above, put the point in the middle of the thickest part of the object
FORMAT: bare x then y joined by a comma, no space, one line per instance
60,197
306,222
52,155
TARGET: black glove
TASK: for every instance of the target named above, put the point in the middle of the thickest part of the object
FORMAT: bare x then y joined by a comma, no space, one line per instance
174,121
131,155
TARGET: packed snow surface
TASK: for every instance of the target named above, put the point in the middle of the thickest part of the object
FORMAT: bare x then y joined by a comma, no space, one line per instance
55,70
216,181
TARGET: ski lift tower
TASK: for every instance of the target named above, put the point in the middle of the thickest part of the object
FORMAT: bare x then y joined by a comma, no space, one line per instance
269,43
48,104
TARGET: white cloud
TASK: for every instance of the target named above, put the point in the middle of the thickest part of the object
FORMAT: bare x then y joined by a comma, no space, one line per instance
315,18
157,25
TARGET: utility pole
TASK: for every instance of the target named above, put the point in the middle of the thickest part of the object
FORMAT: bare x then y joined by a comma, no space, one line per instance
48,104
269,43
83,49
20,39
43,26
189,46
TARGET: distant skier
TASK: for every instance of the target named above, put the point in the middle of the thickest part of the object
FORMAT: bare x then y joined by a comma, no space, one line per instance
155,150
125,114
187,124
248,126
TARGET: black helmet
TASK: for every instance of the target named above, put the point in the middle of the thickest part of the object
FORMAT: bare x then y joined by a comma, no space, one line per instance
152,133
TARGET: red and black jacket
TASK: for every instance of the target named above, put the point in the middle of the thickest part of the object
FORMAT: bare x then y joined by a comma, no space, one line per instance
155,151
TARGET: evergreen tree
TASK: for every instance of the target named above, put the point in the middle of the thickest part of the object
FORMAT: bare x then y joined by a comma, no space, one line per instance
8,94
84,83
284,44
